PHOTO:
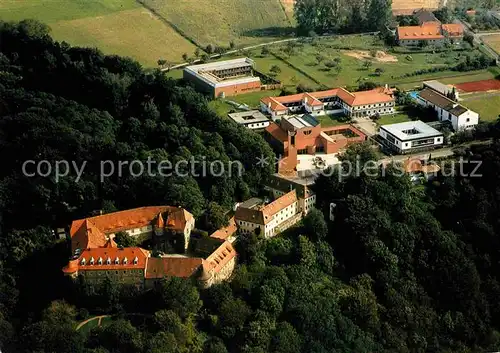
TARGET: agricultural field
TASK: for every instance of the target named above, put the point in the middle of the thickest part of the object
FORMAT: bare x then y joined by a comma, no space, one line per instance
218,22
135,33
493,41
120,27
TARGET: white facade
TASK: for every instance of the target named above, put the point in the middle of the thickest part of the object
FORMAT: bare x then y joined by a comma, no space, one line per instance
260,125
409,136
464,121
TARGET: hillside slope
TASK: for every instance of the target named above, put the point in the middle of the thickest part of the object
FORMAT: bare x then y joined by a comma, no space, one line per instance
221,21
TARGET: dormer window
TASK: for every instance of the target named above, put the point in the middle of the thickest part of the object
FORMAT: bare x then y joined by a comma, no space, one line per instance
92,260
99,261
83,262
136,260
117,261
108,261
125,261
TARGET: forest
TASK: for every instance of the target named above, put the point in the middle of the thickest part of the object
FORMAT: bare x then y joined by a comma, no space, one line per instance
399,268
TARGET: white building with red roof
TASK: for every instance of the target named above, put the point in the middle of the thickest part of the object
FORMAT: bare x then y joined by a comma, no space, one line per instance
338,100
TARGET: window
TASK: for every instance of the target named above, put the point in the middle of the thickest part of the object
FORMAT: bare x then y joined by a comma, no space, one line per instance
467,120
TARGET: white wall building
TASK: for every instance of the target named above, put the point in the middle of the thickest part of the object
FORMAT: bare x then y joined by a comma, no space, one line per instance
272,218
459,116
253,119
410,136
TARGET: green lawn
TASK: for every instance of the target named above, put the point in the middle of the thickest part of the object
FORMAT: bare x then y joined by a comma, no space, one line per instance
392,65
253,99
288,75
218,22
393,119
330,120
455,77
220,107
488,106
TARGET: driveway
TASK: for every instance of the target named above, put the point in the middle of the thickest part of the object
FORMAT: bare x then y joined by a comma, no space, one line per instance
366,125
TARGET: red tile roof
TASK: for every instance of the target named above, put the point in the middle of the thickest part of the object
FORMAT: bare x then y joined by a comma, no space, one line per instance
109,259
453,29
277,205
277,132
377,95
183,267
225,232
91,232
428,30
219,258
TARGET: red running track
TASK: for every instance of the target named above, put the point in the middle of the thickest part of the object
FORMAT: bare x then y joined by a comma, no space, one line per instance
479,86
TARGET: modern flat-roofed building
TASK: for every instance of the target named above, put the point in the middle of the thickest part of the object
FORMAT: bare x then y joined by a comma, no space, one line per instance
431,33
459,116
410,136
224,78
446,90
252,119
338,100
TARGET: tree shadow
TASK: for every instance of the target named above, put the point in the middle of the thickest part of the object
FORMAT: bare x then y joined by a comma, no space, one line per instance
271,32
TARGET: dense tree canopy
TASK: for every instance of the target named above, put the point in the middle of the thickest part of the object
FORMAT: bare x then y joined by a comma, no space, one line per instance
401,268
322,16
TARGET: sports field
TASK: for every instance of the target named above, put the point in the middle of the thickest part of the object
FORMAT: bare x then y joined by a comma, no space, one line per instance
479,86
219,22
120,27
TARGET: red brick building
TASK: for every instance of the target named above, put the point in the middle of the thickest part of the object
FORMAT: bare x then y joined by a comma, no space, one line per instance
305,135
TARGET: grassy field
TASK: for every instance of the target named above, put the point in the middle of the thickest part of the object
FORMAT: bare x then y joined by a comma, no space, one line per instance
135,33
120,27
330,120
393,119
487,106
352,69
253,99
218,22
493,41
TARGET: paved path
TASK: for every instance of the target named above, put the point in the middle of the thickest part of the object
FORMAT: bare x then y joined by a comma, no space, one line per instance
98,318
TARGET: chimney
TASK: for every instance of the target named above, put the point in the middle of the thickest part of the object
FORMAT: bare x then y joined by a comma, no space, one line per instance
386,86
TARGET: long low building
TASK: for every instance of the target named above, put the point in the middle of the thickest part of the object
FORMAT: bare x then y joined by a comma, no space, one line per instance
459,116
224,78
338,100
430,33
411,136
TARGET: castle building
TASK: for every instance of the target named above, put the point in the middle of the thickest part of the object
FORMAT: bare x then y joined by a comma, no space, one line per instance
95,255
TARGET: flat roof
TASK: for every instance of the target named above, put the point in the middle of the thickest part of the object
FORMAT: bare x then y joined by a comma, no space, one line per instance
411,130
303,121
221,65
249,117
438,86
